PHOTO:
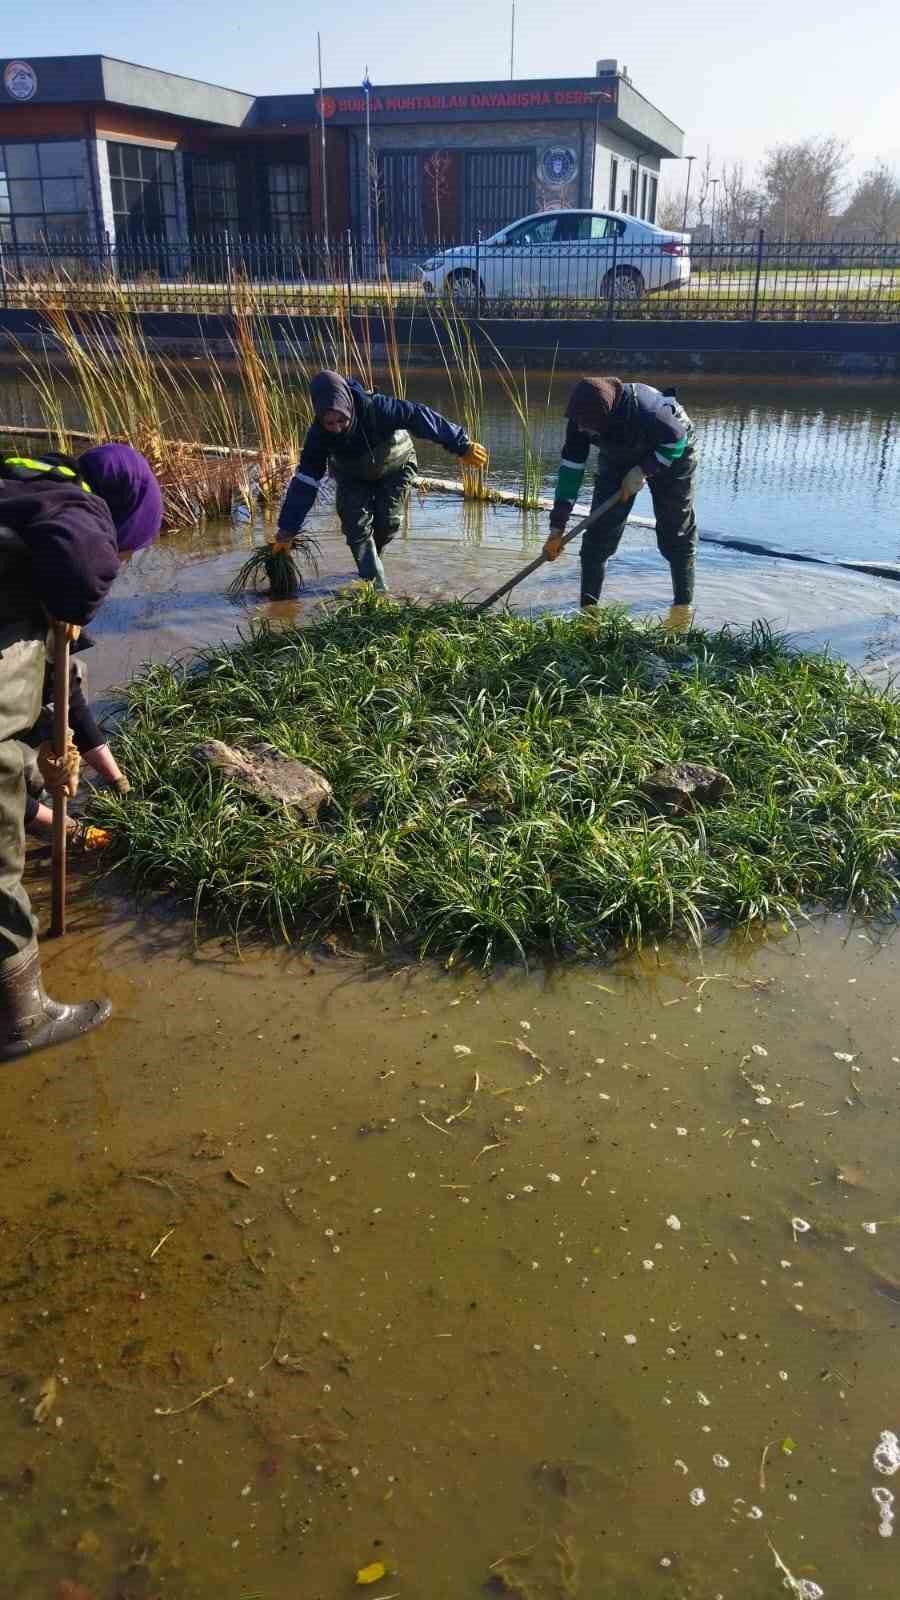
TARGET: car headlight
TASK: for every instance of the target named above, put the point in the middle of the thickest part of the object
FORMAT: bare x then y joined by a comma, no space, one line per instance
431,266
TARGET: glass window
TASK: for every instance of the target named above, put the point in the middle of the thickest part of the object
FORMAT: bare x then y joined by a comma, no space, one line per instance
42,191
213,195
600,228
21,161
613,183
144,190
25,194
572,229
654,193
539,231
61,194
62,160
289,199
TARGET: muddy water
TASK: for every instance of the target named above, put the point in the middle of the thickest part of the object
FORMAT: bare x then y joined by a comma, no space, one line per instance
173,598
417,1232
430,1276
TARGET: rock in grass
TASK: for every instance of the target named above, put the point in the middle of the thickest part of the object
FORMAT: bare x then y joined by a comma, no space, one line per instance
685,785
265,772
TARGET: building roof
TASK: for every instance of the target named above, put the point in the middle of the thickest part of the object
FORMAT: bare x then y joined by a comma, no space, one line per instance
608,98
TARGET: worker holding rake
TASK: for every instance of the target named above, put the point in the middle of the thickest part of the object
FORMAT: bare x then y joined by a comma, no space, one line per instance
641,436
65,527
365,438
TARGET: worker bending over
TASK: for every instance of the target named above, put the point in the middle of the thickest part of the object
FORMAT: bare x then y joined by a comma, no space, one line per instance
365,439
641,435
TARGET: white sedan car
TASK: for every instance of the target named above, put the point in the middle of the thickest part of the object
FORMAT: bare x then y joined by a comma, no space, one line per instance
563,255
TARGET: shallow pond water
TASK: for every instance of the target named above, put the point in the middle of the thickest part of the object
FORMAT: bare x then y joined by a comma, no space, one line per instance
807,464
483,1278
311,1264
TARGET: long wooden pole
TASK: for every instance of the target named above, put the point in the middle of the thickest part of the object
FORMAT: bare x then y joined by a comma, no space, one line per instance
60,745
580,527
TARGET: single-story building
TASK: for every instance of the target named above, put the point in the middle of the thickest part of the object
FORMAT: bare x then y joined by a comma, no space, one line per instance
95,147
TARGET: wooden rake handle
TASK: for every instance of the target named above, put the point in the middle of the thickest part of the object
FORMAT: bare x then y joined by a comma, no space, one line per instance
60,745
580,527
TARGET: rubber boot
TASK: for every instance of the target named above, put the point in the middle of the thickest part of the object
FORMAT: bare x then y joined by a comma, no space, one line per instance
29,1019
679,619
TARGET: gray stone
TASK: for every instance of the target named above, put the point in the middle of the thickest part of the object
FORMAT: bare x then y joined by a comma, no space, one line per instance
265,772
685,785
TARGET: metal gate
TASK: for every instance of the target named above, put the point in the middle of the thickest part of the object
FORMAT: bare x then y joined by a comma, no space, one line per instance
399,195
498,188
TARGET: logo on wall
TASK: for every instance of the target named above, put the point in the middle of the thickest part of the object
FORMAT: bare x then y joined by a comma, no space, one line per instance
559,165
326,105
20,80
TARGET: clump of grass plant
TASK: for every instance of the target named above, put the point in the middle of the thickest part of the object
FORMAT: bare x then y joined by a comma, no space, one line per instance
280,568
488,776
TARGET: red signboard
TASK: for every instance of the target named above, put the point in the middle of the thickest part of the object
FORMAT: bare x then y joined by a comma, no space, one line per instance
467,104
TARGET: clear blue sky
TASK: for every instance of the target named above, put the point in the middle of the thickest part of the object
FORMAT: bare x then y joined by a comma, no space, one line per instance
736,75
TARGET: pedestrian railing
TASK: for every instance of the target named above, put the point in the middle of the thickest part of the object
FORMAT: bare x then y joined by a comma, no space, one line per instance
607,277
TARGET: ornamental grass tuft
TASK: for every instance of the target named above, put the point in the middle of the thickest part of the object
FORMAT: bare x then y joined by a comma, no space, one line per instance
489,774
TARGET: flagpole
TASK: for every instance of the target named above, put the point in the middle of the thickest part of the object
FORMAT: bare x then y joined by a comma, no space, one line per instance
322,125
367,87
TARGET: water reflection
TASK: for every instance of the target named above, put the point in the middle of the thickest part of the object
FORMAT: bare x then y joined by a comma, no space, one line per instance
808,464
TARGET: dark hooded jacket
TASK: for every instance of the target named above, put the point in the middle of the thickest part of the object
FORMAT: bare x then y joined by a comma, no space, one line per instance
58,550
631,424
376,418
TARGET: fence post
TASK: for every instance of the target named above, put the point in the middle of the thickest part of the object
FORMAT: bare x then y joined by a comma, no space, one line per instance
611,307
349,238
759,255
478,275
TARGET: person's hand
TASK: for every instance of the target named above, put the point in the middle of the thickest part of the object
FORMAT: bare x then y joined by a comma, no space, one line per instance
553,544
475,456
632,483
281,542
60,773
73,629
122,785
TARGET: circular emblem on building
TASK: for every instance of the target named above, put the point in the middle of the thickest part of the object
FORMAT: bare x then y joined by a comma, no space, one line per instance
20,80
326,105
559,164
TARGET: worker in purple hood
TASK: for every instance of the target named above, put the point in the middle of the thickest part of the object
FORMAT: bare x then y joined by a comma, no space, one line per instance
65,527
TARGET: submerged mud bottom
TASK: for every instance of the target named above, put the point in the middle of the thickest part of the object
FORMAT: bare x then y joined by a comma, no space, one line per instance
308,1266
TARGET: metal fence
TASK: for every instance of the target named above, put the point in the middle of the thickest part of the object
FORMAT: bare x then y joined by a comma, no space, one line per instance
607,276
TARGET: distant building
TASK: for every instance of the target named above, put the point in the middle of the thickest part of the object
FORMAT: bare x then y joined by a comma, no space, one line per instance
91,145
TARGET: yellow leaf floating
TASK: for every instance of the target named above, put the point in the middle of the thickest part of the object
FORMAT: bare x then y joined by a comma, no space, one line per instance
373,1573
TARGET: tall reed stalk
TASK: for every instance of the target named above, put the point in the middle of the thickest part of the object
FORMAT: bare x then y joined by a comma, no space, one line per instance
533,426
462,365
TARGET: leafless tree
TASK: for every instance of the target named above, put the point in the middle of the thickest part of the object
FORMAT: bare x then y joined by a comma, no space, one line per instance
437,170
739,207
873,213
802,185
670,210
705,191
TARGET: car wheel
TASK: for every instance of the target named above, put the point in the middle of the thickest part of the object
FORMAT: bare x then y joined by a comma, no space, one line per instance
626,282
463,288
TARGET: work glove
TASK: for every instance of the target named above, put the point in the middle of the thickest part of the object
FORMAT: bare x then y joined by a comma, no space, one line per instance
122,785
632,483
553,544
475,456
281,541
59,773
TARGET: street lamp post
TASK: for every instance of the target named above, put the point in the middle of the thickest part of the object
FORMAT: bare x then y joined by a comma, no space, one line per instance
687,189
